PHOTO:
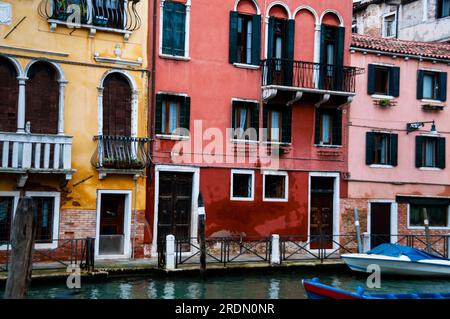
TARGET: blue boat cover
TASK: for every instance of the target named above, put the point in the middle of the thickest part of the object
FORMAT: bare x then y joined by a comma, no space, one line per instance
395,250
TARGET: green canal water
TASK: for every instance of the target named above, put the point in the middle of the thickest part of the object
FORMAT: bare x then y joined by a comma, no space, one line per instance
240,286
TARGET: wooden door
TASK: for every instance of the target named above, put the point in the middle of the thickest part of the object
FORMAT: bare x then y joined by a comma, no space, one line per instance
42,94
112,214
174,205
321,225
380,224
116,106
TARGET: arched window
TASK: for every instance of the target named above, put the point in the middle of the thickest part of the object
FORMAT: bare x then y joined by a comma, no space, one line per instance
116,105
42,98
8,96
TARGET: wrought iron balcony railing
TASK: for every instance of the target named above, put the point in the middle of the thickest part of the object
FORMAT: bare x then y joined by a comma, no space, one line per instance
121,153
113,14
309,75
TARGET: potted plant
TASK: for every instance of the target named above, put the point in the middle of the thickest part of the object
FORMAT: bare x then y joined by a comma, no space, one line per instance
60,12
385,102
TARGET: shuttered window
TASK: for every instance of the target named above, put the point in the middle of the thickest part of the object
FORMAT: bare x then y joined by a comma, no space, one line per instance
245,38
328,127
432,85
384,80
174,28
245,120
277,122
430,152
172,113
381,148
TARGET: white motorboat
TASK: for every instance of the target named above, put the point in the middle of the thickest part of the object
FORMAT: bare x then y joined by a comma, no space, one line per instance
395,259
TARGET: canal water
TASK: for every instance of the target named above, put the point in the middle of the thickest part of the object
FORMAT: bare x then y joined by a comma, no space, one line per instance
273,285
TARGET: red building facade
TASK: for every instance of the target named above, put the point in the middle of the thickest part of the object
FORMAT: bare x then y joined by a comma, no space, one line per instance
249,107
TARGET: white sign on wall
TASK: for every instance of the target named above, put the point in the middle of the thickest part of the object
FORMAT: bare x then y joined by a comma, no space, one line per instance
5,13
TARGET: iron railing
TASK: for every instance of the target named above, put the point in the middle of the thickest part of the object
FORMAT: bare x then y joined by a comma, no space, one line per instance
114,14
226,250
121,152
309,75
57,253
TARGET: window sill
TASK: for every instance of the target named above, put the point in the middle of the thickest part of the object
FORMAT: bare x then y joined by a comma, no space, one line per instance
275,200
276,144
237,141
381,166
172,137
246,66
431,227
174,57
243,199
437,169
382,97
327,146
432,101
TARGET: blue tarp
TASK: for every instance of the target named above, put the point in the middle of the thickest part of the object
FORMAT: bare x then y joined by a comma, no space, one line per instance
395,250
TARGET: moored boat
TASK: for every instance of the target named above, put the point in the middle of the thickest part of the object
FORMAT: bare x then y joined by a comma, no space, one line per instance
394,259
316,290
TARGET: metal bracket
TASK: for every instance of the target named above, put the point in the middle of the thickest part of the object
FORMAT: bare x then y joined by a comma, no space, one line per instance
325,99
268,94
298,96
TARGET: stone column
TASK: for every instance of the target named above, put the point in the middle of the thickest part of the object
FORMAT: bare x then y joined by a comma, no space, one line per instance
21,105
275,258
62,86
170,252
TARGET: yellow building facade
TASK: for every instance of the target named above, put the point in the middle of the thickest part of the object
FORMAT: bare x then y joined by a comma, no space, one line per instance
73,120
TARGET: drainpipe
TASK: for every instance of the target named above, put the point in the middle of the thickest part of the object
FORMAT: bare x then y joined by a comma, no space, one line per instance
135,217
152,90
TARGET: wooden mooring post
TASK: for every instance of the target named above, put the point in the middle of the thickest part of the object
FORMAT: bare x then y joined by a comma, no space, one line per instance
22,245
426,223
201,229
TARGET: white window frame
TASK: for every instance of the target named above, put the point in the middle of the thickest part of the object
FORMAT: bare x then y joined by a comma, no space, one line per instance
384,24
16,196
243,172
286,186
186,56
56,209
408,209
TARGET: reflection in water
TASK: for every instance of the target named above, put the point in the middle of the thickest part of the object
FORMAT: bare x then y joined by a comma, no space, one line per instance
236,286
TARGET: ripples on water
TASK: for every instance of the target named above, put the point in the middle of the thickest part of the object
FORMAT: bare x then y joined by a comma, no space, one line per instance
243,286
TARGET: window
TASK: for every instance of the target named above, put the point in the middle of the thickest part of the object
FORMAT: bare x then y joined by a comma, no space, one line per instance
430,152
354,26
443,8
383,80
174,28
332,58
45,213
328,127
242,185
437,215
432,85
390,26
277,119
275,186
245,120
6,213
172,114
381,148
245,38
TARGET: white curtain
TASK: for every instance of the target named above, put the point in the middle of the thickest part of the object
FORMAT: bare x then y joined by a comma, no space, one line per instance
427,86
249,42
383,145
173,119
275,129
326,122
429,153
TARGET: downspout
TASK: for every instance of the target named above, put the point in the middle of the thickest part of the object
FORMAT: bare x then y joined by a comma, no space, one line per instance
151,94
397,19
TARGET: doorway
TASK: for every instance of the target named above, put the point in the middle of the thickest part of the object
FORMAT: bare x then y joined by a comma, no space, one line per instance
380,224
322,212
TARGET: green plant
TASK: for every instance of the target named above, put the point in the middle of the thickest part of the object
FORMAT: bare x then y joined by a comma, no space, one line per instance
385,102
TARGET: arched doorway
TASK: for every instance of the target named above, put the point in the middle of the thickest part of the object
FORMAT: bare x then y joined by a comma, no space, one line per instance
9,91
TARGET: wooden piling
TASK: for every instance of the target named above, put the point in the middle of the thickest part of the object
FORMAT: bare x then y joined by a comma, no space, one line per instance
202,235
22,245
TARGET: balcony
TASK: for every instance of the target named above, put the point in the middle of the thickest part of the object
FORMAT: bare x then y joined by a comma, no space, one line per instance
23,154
280,75
120,155
120,16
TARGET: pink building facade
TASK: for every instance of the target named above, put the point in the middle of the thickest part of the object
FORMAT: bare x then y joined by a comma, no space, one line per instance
397,170
280,68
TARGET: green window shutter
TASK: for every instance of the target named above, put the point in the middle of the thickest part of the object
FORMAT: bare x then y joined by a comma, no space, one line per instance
179,23
371,79
233,36
323,62
393,160
256,40
317,127
370,150
441,152
168,32
254,118
420,74
394,81
265,122
270,52
419,152
443,86
337,127
289,53
158,113
185,112
340,46
286,125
